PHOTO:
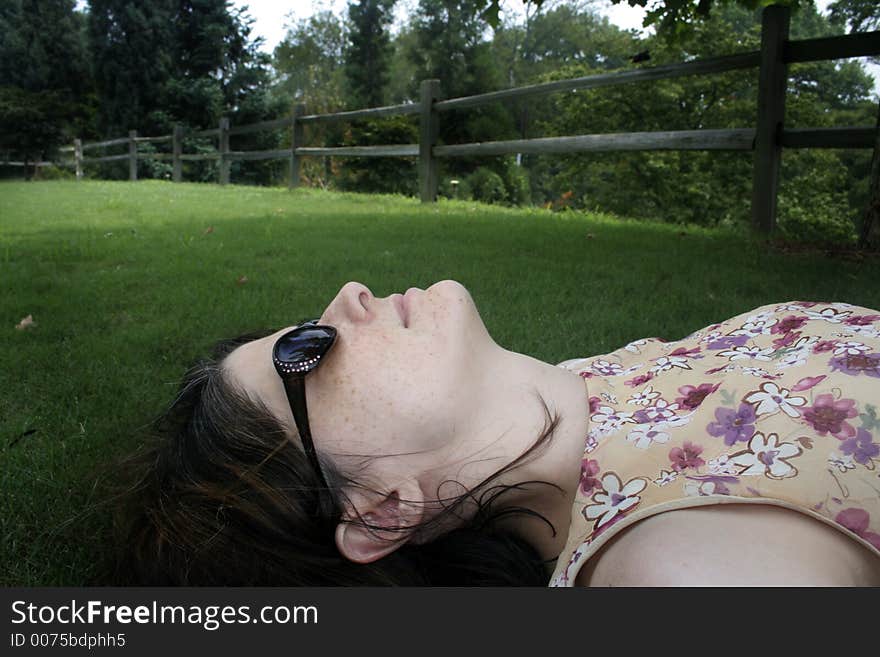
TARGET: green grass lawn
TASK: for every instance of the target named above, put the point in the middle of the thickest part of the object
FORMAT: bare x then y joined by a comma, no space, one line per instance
130,282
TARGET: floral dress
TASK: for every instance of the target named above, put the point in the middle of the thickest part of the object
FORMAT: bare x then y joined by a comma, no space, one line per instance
776,406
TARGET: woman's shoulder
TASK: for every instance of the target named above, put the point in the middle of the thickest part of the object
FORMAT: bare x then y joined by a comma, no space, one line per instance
731,545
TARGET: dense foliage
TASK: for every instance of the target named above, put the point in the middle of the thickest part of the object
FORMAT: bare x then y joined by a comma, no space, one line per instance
46,90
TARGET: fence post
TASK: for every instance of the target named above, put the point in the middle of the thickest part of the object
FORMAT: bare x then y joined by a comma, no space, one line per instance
296,140
428,129
224,151
78,157
132,155
176,149
771,117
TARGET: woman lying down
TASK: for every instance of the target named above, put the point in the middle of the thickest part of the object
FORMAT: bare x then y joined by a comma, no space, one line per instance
392,441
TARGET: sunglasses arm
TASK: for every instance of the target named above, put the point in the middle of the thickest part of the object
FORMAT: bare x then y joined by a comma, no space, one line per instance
296,393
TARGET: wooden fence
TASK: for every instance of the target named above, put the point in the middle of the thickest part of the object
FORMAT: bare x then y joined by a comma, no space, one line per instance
766,140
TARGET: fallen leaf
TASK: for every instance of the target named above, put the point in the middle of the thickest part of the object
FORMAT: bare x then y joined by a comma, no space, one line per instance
27,322
208,230
242,280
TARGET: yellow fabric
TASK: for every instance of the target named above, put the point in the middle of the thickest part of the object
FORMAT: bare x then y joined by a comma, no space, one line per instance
778,405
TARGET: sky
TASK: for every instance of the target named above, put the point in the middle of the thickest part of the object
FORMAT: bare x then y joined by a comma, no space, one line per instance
271,17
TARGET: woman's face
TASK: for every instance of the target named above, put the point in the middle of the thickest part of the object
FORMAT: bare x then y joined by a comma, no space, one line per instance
399,382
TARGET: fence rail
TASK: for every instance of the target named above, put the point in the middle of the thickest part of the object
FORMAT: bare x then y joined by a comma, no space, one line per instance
766,139
353,115
699,67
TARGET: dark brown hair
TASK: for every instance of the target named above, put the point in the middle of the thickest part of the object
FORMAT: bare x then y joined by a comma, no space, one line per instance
221,496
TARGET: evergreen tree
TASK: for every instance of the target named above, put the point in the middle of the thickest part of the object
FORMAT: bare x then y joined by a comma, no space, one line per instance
132,60
45,83
162,61
450,47
368,53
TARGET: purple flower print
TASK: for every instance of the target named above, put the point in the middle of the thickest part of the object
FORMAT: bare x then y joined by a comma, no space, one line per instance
855,364
808,382
858,521
640,379
787,324
861,320
686,456
693,397
728,342
828,415
823,346
687,353
787,339
589,481
862,447
734,425
594,404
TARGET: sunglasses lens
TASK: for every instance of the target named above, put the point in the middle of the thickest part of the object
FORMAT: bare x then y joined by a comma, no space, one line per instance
304,346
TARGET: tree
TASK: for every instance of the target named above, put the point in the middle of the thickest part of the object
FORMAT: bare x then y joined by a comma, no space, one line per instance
368,52
857,15
450,46
163,61
218,66
309,61
132,60
674,19
45,83
403,70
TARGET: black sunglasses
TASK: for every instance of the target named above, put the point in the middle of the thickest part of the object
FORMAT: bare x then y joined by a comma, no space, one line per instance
297,353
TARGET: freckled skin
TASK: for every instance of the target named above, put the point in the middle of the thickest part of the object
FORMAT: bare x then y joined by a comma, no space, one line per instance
413,374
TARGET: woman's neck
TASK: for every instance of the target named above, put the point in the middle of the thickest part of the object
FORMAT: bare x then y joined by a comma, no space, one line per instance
507,421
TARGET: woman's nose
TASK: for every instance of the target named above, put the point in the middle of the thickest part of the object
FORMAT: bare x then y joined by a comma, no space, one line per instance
356,300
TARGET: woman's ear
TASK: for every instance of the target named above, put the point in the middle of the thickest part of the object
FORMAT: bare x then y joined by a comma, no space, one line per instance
384,525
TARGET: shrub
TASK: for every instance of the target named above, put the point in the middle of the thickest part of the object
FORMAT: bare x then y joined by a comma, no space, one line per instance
53,172
380,175
813,205
487,186
824,219
516,182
